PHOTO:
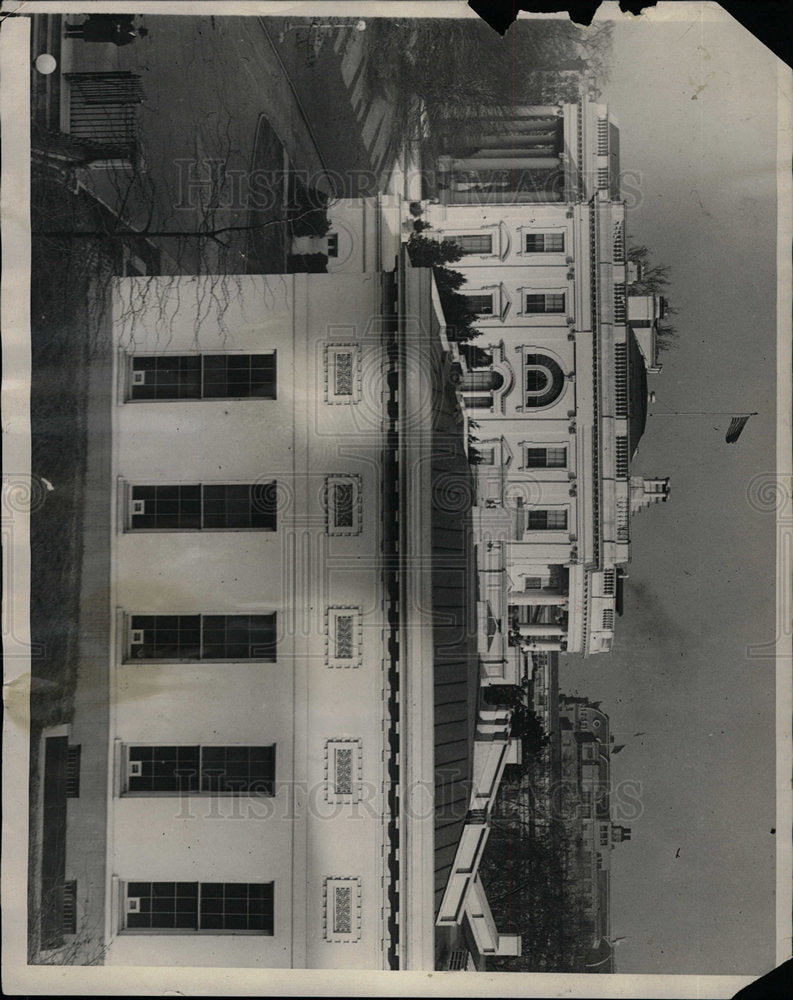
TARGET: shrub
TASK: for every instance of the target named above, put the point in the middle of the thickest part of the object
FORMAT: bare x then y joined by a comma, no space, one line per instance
425,252
475,356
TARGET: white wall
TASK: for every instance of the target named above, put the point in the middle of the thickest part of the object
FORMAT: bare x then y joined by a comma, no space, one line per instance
298,702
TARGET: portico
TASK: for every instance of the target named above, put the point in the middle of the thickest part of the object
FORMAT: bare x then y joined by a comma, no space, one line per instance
518,158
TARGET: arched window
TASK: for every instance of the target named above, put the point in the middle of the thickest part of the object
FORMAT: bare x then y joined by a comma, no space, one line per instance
543,380
478,388
482,381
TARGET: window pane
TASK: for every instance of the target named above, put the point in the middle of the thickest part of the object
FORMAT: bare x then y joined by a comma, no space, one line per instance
536,379
545,303
238,637
535,303
249,505
264,505
552,458
165,637
237,906
554,303
164,769
262,379
547,519
482,305
238,769
476,243
239,375
544,242
166,507
164,905
166,377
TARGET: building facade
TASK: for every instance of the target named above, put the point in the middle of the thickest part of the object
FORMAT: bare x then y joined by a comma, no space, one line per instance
285,710
556,386
586,800
247,577
299,773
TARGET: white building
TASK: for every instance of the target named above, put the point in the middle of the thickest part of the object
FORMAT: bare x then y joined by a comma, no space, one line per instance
297,764
557,383
300,773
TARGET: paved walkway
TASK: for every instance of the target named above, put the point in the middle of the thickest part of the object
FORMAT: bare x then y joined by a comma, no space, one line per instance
355,128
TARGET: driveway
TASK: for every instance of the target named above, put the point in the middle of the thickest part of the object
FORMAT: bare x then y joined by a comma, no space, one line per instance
206,81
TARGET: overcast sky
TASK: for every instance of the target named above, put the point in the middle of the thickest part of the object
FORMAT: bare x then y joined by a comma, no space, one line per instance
693,892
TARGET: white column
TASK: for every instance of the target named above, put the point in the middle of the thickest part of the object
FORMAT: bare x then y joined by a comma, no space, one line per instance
535,111
457,197
513,153
518,140
534,598
505,163
542,629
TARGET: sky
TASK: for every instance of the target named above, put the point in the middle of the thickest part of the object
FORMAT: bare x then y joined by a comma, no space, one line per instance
693,892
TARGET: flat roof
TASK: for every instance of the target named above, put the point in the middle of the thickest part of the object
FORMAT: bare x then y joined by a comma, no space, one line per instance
454,596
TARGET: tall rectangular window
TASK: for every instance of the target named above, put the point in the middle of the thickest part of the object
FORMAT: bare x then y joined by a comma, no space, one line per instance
547,520
185,638
475,243
544,242
201,770
210,506
480,303
185,907
545,302
203,376
546,458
